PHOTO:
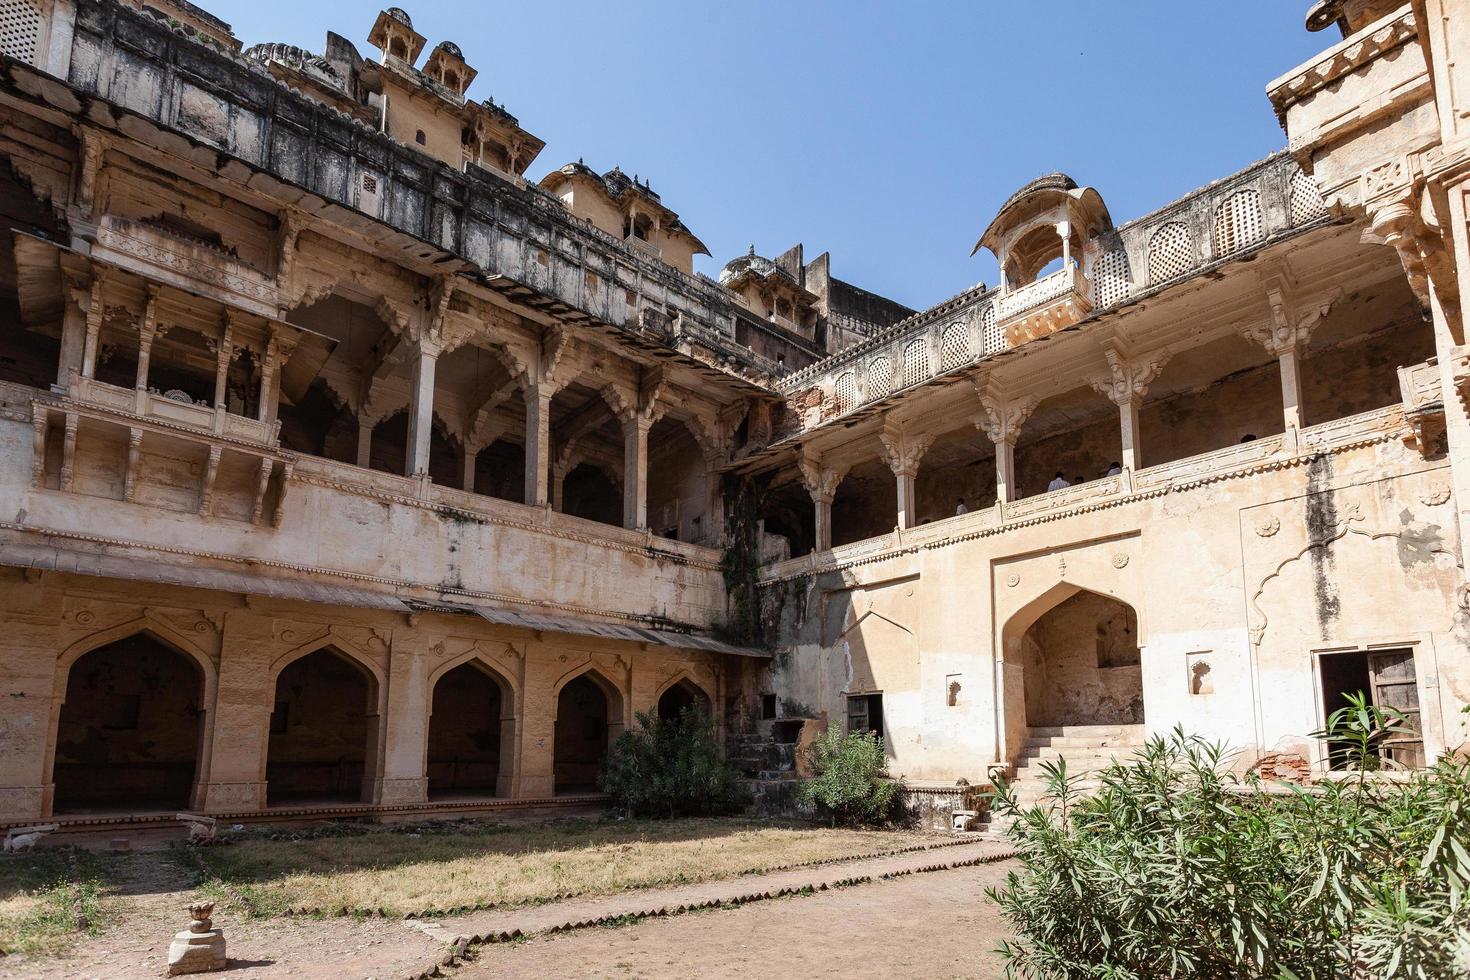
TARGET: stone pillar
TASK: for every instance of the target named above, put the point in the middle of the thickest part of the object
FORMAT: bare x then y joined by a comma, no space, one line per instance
73,328
714,503
224,352
1285,337
1125,385
821,481
538,442
148,332
93,323
902,451
537,746
270,371
365,426
32,617
469,456
406,728
242,715
635,470
1001,418
559,471
421,408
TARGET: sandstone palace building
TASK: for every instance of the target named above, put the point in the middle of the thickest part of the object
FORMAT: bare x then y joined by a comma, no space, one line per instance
345,469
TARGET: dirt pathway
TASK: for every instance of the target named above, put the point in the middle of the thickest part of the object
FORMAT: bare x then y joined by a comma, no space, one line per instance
654,901
937,925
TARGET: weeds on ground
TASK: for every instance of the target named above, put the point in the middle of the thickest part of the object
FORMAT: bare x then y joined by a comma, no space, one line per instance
40,909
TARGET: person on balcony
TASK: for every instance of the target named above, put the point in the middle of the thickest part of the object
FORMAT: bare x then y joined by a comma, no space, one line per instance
1058,482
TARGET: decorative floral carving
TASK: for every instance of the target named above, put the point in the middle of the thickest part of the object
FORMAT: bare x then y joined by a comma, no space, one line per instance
1120,560
1268,527
1435,495
1013,580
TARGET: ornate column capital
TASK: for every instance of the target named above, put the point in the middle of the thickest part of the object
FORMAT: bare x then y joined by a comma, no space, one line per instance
821,481
1292,320
904,449
1128,379
1001,417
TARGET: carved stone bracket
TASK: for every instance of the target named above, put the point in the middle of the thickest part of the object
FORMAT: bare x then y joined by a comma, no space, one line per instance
1127,380
1292,321
1000,418
904,449
820,481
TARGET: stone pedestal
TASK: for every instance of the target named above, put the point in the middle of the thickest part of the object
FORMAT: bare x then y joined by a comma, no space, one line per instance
199,948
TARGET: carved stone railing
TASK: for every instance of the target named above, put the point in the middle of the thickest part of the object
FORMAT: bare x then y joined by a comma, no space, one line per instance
1231,218
508,230
161,408
1044,306
1074,496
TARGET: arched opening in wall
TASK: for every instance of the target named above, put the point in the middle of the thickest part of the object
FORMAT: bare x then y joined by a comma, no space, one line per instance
1212,397
957,471
390,444
500,471
586,455
676,482
318,424
323,730
130,729
471,734
30,353
866,504
1038,254
1351,365
681,697
788,522
589,492
588,717
1072,438
1081,663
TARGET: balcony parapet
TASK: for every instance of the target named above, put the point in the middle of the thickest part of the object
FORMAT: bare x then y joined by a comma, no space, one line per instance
1234,217
1044,306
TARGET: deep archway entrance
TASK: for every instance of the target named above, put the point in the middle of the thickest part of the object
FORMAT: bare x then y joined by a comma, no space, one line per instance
1081,664
324,730
471,735
682,697
129,732
587,717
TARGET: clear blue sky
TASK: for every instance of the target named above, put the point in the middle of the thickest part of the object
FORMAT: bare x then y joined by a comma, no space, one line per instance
885,132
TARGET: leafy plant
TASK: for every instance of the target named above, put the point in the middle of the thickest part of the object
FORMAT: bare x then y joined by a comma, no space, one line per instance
851,785
671,768
1176,868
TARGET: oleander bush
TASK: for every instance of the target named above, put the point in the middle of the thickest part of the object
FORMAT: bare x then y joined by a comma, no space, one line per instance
1176,868
672,768
850,784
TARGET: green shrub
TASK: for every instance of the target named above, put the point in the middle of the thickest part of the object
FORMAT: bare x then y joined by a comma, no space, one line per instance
1174,868
851,784
672,768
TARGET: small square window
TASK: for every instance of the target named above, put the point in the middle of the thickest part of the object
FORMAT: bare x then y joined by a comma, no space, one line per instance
420,138
768,707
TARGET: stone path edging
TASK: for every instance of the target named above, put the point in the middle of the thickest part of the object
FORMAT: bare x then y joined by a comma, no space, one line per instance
464,932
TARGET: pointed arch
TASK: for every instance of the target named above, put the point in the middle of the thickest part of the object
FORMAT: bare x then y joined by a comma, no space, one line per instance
587,716
682,691
360,663
461,760
167,636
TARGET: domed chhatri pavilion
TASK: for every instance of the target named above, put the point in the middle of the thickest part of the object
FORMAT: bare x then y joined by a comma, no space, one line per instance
346,470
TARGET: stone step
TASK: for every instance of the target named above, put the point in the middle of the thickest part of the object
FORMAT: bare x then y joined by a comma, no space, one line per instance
1138,732
1083,742
1076,758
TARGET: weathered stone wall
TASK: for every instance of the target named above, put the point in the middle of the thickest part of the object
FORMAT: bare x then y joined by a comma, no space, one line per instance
1245,578
243,657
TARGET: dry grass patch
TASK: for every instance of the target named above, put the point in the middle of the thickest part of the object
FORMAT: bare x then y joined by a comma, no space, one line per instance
489,865
39,906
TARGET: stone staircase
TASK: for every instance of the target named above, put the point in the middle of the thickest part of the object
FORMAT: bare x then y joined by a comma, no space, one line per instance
769,766
1086,748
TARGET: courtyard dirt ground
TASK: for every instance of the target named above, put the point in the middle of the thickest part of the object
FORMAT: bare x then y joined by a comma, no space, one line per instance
142,897
937,925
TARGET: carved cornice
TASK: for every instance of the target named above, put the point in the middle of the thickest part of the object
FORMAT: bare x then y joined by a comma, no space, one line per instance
1347,57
